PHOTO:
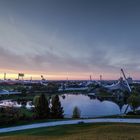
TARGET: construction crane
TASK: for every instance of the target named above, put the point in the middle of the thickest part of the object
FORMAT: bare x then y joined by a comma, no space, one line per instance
42,78
127,86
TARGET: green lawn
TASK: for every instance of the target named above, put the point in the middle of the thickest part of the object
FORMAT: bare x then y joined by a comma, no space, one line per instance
28,122
112,131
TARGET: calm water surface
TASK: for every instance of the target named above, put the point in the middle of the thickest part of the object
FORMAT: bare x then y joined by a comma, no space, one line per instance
89,107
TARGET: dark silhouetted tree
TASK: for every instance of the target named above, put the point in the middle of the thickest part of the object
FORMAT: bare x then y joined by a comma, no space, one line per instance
52,87
56,109
41,106
134,102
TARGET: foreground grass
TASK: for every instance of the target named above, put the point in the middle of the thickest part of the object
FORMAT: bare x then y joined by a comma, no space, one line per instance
78,132
28,122
121,116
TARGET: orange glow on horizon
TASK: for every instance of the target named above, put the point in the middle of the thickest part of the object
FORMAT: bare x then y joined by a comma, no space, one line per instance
61,76
36,75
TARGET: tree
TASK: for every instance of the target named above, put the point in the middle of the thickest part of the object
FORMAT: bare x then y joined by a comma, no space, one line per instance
10,115
52,87
134,102
76,112
41,106
56,109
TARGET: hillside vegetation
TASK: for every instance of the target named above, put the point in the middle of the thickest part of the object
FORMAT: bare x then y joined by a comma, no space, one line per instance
78,132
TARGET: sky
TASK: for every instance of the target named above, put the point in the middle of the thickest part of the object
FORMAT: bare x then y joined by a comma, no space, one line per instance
70,38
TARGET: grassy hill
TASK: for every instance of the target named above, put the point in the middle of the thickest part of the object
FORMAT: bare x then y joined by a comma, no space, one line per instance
78,132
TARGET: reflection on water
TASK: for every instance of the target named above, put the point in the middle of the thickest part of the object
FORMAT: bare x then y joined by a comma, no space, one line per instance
88,107
15,104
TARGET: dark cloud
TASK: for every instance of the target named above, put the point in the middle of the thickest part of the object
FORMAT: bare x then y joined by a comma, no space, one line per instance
70,35
9,60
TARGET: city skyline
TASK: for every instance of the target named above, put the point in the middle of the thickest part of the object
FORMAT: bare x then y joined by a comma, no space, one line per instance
70,38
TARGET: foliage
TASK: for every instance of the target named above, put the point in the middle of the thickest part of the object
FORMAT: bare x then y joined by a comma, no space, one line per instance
134,101
37,87
41,106
9,115
76,112
56,109
52,87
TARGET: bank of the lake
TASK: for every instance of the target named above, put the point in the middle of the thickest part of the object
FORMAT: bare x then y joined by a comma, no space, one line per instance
98,131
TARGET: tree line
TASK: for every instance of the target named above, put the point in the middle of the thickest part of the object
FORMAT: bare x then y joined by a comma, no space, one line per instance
48,108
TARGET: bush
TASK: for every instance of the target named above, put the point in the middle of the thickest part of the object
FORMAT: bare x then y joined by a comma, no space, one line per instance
76,113
134,102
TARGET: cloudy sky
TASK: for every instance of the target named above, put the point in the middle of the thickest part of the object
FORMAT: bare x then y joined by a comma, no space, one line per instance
70,38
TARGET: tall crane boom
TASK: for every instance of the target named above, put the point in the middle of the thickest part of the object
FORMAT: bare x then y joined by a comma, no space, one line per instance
128,88
126,80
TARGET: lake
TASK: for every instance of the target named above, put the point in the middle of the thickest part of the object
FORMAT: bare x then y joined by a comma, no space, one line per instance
89,107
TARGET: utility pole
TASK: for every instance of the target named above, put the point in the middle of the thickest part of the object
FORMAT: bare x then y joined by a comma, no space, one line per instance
90,77
100,77
4,76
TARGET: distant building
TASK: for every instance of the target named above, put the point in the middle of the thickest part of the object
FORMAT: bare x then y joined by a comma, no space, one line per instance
130,80
120,85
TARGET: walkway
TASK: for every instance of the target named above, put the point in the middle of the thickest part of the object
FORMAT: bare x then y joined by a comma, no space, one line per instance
49,124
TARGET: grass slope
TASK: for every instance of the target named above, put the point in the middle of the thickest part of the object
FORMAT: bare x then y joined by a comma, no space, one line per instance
79,132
